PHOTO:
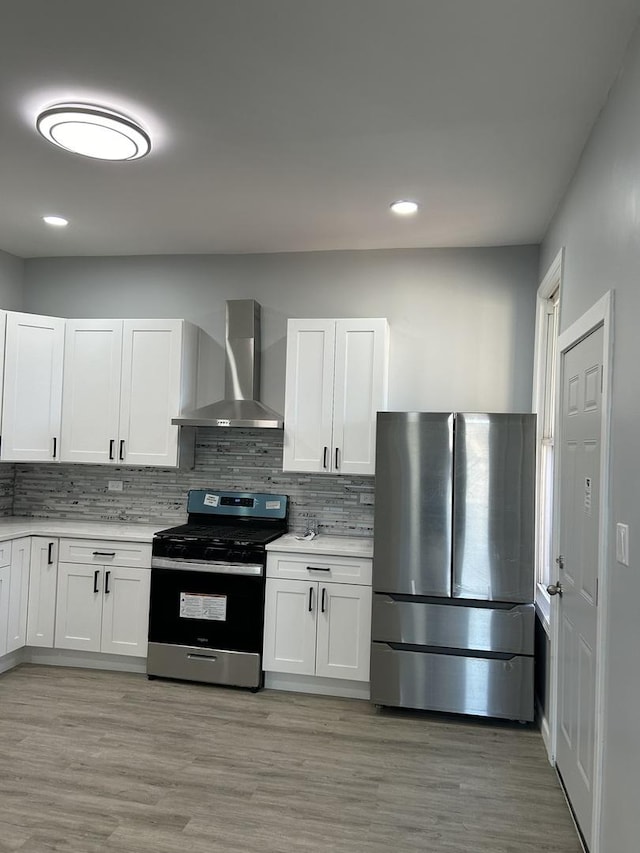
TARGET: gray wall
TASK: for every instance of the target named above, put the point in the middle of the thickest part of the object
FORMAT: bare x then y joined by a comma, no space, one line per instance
461,320
599,224
11,281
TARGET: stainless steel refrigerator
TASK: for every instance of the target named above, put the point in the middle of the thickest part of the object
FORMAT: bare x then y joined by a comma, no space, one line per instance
453,576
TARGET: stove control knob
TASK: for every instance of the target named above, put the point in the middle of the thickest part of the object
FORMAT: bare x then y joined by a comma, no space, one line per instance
177,550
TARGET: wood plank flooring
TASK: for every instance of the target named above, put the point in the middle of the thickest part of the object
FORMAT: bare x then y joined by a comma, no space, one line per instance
103,762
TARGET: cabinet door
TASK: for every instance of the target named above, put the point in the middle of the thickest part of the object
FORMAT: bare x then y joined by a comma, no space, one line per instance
360,392
4,607
150,392
32,388
125,612
308,410
3,332
344,631
290,626
91,395
79,607
18,593
42,592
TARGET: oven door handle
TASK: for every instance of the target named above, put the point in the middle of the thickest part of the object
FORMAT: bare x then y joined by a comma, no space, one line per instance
211,568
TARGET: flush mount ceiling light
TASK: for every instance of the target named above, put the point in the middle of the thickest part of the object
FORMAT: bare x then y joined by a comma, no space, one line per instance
93,131
404,208
58,221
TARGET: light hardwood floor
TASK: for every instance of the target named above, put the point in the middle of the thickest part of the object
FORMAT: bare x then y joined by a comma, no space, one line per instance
95,762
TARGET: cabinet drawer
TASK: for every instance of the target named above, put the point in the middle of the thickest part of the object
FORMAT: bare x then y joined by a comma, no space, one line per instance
311,567
104,552
5,553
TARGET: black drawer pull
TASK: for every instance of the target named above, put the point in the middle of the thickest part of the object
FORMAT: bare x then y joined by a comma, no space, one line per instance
106,583
318,568
96,574
104,553
50,554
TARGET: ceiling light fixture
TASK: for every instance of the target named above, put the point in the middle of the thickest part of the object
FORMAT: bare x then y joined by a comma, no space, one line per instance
58,221
93,131
404,208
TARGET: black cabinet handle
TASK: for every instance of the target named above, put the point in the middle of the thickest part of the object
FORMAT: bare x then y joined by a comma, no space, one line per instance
106,583
122,449
55,446
318,568
111,448
336,458
104,553
324,593
50,554
310,599
324,457
95,580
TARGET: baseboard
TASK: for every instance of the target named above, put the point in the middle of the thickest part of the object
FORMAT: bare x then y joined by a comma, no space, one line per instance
11,660
317,685
85,660
545,731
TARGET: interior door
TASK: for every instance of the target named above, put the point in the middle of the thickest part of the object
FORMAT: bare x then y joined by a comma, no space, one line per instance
578,519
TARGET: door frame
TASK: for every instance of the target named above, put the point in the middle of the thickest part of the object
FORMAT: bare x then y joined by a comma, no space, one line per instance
600,314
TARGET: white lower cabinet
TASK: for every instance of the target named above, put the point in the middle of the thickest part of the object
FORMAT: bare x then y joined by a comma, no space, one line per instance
19,571
42,591
102,607
314,627
4,607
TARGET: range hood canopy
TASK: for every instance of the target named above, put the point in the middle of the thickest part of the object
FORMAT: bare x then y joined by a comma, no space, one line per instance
241,406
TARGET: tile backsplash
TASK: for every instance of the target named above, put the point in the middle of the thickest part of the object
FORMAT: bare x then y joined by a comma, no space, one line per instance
226,459
7,474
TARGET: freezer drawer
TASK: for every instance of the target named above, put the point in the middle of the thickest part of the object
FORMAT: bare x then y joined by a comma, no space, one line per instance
481,628
483,686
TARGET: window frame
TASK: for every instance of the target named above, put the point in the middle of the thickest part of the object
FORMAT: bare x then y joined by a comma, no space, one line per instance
548,307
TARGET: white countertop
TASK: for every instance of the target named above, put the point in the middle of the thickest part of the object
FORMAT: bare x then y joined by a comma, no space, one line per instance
13,527
339,546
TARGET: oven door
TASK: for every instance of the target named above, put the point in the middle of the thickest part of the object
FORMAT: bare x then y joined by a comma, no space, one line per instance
207,610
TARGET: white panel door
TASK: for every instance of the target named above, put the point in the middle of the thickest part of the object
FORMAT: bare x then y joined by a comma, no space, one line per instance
125,612
18,593
5,572
43,580
79,607
91,391
290,626
150,392
360,392
32,388
344,631
580,440
308,412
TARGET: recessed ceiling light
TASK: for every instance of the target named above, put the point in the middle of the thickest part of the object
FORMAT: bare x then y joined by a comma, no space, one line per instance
404,208
93,132
59,221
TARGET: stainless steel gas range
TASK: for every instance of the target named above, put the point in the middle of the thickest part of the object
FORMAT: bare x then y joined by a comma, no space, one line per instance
207,588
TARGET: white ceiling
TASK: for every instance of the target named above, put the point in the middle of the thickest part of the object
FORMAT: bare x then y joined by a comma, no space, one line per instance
290,125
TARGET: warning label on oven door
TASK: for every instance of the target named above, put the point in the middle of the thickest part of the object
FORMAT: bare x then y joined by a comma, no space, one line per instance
211,607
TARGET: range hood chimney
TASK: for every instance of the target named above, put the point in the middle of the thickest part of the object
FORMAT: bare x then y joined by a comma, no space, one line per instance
241,406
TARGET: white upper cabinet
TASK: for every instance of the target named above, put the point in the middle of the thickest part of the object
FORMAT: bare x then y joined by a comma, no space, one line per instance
124,381
336,382
32,388
91,395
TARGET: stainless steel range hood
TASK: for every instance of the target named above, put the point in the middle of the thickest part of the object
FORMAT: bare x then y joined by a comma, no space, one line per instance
241,406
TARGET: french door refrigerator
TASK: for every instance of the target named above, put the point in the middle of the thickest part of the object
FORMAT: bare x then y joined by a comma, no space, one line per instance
453,576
